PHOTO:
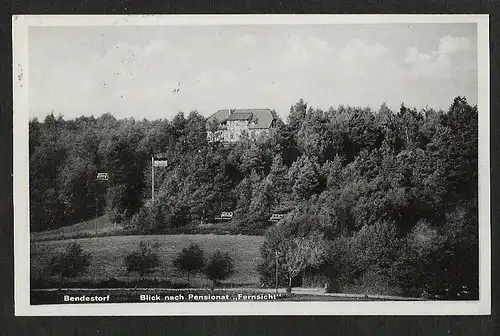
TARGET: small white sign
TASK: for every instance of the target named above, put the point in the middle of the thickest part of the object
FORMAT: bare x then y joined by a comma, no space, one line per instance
102,176
276,217
160,163
226,215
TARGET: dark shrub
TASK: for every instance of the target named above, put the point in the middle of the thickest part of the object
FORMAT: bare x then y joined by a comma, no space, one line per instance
219,267
143,261
190,260
70,263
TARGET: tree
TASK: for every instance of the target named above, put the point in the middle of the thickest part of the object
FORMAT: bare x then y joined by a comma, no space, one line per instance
332,170
282,140
455,147
244,192
277,180
251,160
297,115
70,263
47,156
306,180
190,260
214,132
375,246
298,253
315,137
144,260
126,172
219,267
196,132
260,205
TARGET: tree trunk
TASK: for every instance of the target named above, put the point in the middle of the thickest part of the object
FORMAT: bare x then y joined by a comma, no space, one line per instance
188,276
141,280
289,288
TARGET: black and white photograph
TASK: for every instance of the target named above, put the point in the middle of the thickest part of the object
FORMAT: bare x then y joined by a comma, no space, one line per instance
258,165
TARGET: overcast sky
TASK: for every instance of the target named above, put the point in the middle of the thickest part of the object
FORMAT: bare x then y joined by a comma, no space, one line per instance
134,71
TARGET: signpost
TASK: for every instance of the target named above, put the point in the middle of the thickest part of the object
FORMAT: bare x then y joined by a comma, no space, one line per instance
276,217
156,162
100,177
276,253
96,214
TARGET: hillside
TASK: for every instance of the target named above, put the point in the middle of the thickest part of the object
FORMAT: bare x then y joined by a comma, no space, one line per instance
86,228
392,195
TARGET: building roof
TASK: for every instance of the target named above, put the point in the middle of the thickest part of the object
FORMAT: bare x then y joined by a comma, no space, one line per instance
262,118
236,115
258,118
219,115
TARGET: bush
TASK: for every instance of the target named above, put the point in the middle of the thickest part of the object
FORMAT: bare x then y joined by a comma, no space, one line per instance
70,263
374,282
190,260
143,261
219,267
248,227
366,262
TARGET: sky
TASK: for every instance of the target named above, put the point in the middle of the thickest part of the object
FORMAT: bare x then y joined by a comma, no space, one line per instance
154,72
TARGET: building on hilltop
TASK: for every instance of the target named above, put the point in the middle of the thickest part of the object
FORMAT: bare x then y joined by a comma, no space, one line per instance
230,125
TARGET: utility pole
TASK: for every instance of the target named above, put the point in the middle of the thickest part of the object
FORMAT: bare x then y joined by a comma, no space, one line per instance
158,162
96,212
152,179
276,255
101,178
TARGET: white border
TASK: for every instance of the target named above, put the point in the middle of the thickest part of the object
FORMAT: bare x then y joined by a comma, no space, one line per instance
21,175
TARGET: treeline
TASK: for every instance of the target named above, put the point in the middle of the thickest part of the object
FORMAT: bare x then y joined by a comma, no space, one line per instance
66,155
393,194
391,208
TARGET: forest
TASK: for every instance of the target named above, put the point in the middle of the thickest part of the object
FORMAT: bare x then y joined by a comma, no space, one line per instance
374,200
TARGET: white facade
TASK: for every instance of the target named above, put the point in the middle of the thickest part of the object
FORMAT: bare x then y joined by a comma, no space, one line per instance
233,124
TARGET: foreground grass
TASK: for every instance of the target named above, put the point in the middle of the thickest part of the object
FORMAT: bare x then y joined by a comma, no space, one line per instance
108,256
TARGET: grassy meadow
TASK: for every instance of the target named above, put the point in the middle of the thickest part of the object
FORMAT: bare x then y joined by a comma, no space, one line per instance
80,230
108,256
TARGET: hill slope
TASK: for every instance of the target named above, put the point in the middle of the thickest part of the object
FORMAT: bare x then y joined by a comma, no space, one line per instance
104,225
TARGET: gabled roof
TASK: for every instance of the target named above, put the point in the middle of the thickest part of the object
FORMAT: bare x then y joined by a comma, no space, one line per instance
240,116
262,118
219,115
258,118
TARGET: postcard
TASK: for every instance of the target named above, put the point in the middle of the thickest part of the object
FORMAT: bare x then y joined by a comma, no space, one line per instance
251,165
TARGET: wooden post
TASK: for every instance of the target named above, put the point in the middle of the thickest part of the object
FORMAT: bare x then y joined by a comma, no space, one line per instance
95,221
276,255
152,179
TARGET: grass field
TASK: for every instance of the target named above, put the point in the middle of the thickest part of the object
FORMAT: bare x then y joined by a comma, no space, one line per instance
87,228
105,228
108,256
